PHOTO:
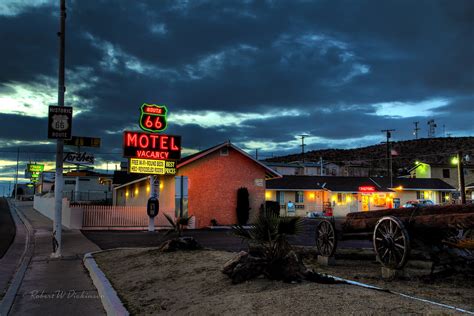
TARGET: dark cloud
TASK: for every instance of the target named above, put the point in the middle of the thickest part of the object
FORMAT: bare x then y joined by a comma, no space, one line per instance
330,61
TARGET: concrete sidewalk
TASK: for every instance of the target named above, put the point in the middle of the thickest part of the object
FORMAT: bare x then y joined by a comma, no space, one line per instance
53,286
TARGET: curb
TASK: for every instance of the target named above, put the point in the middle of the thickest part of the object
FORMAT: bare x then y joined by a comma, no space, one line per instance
108,296
16,280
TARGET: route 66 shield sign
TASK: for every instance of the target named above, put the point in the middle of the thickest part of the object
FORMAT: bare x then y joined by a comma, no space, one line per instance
153,117
60,122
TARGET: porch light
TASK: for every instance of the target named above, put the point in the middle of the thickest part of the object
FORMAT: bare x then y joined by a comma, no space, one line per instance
454,160
148,189
136,191
126,194
311,195
268,195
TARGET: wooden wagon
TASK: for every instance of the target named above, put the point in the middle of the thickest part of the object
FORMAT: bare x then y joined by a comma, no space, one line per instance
440,231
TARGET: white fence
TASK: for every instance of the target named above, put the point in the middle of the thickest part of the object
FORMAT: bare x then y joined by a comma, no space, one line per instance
118,217
71,216
100,217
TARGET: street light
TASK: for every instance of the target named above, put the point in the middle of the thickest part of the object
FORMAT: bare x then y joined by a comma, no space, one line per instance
458,161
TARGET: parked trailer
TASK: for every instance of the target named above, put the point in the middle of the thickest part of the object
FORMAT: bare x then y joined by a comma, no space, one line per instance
445,233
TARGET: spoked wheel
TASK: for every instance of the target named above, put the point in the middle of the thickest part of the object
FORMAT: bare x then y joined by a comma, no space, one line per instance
391,242
326,241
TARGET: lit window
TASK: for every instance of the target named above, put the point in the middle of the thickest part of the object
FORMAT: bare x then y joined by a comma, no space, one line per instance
299,197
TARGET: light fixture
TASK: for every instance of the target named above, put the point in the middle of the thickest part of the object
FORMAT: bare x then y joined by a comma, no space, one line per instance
454,160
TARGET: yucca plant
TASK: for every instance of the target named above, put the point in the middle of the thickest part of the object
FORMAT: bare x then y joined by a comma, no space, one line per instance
268,237
178,224
272,255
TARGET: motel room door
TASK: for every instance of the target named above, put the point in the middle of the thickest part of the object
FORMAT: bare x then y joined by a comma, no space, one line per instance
354,204
365,202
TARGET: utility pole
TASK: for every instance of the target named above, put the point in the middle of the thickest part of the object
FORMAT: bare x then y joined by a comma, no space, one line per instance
302,146
388,133
16,177
58,185
256,154
461,178
416,129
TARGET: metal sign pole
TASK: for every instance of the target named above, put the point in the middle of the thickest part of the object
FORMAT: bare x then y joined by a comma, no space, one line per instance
58,185
151,220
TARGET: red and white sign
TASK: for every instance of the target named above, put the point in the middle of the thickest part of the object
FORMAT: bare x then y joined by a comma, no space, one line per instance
366,188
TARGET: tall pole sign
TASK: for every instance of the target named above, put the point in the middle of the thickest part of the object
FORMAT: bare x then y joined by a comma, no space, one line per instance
59,124
151,153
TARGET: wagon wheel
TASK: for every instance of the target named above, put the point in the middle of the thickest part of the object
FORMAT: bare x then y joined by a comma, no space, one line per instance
326,241
391,242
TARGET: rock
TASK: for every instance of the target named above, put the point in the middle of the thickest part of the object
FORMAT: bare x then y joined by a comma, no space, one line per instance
181,243
247,268
232,263
289,269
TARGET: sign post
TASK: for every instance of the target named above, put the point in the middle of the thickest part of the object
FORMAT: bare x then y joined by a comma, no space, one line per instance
153,206
59,130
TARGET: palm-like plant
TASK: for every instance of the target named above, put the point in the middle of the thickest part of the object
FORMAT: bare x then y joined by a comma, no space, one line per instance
270,233
178,224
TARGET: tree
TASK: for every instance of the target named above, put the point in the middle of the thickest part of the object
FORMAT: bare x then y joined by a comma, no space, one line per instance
243,206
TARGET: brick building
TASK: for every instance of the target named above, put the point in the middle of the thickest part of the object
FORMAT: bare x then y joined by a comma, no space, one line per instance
214,176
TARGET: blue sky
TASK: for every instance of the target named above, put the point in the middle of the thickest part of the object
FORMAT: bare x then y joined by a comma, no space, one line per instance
259,73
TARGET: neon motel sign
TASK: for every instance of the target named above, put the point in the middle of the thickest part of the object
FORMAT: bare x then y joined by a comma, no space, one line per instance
151,146
366,189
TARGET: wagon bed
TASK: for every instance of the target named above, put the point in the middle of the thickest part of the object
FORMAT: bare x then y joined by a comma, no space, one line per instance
394,232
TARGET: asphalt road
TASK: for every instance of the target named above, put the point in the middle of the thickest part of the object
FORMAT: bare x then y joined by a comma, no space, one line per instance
7,227
221,239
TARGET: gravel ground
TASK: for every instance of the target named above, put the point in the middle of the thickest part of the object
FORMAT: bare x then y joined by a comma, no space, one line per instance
456,290
191,283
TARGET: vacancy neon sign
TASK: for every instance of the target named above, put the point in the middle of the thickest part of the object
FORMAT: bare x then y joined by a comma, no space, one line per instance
366,188
151,146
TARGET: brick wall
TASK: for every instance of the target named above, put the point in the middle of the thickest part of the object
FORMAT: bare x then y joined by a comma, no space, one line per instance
213,184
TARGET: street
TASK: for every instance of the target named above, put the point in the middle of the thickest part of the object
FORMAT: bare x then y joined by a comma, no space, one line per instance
219,239
7,227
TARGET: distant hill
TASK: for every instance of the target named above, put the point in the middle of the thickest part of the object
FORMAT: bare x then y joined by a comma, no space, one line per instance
428,150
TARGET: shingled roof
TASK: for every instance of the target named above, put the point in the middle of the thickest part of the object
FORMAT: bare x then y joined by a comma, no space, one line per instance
332,183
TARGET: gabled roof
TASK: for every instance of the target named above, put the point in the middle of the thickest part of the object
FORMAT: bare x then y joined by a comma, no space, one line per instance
269,173
417,184
331,183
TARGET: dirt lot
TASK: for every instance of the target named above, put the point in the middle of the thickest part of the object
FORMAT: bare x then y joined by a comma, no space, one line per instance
456,290
191,283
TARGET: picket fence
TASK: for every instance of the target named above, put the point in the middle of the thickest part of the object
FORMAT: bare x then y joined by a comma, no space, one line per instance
118,217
